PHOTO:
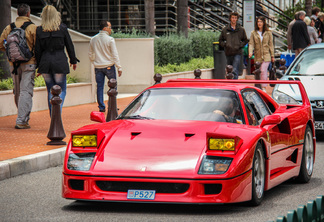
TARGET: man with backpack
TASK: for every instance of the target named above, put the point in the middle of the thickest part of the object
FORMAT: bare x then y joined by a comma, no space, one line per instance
22,61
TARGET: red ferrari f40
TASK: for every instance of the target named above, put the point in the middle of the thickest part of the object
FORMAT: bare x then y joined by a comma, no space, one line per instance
193,141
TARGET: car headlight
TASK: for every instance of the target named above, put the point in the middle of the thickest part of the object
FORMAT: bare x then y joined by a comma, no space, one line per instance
84,140
214,165
80,161
221,144
281,97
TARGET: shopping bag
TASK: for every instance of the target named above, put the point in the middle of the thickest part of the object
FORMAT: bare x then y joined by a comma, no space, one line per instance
289,56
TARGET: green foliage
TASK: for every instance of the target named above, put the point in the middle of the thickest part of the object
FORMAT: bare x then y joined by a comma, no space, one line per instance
290,12
39,81
175,49
71,79
7,84
130,34
202,43
195,63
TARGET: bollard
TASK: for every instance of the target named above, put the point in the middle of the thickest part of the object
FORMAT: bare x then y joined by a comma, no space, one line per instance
157,78
56,131
257,73
320,207
312,211
282,66
292,216
197,73
112,100
229,72
281,219
302,213
219,62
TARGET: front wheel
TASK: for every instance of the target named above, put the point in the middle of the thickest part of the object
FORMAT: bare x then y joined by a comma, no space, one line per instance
258,176
307,162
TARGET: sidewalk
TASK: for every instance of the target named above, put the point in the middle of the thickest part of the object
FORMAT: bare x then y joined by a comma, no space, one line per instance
22,150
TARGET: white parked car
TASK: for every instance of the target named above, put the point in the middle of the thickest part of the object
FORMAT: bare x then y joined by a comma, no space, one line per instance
308,68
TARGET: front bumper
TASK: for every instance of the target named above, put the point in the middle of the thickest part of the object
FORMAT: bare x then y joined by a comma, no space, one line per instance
97,188
318,118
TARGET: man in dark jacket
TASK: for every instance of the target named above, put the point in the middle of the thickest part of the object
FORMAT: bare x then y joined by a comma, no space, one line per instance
299,33
233,39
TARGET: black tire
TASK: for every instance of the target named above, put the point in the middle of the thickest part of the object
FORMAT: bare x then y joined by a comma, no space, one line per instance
258,176
307,163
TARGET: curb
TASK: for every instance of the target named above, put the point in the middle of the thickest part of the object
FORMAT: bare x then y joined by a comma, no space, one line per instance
31,163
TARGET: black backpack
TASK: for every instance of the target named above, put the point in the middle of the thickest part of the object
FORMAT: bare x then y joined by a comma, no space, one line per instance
17,49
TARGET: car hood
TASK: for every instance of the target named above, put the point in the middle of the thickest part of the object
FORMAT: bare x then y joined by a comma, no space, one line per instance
313,86
156,148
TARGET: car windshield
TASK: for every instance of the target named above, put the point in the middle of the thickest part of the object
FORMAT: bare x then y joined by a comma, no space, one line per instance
185,104
309,64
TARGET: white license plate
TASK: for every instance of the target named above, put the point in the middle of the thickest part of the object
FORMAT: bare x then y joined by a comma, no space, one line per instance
319,125
141,194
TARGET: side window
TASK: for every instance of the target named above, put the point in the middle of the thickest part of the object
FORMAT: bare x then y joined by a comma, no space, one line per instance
256,108
250,114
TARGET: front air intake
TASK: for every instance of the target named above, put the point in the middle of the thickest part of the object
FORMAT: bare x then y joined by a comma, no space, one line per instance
76,184
213,188
116,186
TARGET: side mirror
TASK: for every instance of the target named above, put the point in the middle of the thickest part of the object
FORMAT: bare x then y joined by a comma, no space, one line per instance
270,119
97,117
279,74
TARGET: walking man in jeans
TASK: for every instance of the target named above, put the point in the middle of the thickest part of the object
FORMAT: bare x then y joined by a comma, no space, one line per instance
23,77
103,54
233,39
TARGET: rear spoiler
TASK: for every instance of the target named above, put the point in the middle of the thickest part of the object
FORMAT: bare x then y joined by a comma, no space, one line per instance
232,81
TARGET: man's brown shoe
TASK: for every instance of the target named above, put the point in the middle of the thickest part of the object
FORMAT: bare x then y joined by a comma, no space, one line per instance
22,126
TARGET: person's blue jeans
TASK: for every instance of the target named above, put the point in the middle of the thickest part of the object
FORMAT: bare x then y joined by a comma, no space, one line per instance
235,61
51,80
110,72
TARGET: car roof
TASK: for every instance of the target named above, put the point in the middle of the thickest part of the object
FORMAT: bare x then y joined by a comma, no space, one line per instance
202,84
316,46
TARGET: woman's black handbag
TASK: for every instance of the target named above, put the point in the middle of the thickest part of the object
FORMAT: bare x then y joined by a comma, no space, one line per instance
272,73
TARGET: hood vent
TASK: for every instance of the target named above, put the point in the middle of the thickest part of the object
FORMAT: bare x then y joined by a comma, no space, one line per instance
189,135
134,134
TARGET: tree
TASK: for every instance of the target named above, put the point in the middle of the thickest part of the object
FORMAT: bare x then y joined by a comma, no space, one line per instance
308,7
149,16
5,19
182,11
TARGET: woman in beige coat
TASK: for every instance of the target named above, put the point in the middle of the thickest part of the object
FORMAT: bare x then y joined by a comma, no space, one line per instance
261,42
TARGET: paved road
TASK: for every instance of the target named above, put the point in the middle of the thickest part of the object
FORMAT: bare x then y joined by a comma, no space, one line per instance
37,197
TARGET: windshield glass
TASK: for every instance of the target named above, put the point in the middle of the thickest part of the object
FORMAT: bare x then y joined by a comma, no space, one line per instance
309,63
185,104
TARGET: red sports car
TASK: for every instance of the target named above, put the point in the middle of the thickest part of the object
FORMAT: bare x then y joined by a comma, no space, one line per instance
192,141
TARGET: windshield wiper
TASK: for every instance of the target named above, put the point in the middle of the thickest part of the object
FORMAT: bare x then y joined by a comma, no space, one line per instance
136,117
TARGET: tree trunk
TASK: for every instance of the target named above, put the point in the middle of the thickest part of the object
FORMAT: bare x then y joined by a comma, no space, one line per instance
5,19
149,17
182,8
308,7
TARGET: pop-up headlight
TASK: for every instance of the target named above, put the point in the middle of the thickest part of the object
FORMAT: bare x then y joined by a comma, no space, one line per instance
84,140
221,144
214,165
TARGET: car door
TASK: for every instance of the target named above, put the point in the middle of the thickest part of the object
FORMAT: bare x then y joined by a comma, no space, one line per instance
278,135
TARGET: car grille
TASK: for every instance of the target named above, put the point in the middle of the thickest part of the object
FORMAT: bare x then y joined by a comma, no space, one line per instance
158,187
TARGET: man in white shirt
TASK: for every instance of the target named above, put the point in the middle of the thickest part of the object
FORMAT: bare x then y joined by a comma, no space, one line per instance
104,56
